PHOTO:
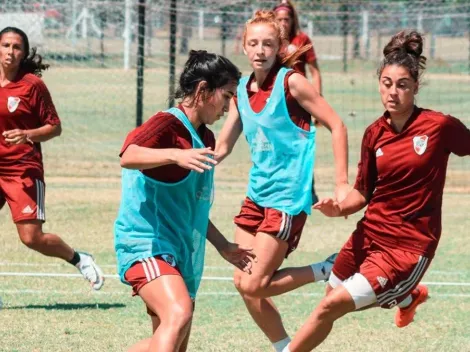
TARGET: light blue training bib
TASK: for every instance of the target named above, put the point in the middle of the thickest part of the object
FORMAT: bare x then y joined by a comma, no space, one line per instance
158,218
282,153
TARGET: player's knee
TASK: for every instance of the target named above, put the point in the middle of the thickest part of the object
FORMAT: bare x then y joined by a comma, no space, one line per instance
178,317
31,238
253,286
329,308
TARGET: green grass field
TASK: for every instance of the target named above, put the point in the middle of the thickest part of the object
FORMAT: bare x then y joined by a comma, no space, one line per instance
59,313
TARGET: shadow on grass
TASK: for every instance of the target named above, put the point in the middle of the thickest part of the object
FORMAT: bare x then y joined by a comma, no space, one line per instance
70,306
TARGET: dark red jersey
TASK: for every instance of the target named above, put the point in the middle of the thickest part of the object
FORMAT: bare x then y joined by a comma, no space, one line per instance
404,174
161,131
258,99
24,104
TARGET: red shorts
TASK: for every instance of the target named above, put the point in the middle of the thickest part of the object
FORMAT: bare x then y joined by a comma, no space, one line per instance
25,196
393,273
146,270
254,218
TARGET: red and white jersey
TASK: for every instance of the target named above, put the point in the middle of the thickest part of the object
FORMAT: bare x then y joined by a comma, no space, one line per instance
24,104
404,174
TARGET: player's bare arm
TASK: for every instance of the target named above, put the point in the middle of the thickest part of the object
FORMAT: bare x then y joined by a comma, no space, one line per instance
310,99
229,134
354,201
142,158
316,76
241,257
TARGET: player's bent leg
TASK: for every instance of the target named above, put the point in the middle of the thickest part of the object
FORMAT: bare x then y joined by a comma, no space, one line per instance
354,293
31,234
262,310
168,297
270,252
144,345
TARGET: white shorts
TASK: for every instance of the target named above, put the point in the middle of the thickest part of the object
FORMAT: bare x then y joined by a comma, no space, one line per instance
358,287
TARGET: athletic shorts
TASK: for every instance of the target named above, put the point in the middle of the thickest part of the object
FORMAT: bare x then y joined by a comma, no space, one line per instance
254,218
146,270
25,196
392,273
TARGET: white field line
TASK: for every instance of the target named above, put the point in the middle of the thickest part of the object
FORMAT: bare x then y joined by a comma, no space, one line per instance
210,293
208,278
207,267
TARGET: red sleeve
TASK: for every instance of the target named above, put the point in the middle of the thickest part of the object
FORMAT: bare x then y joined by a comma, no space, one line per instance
367,168
42,104
456,136
160,131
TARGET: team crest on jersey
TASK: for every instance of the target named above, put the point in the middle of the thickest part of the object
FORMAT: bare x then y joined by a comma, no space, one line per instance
13,103
420,143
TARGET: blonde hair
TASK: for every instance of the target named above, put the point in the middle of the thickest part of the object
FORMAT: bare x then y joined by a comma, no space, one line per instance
269,18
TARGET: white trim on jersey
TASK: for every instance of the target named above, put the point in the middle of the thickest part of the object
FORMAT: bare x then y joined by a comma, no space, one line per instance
403,286
40,195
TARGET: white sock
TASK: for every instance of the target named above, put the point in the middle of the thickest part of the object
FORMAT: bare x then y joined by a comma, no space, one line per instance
281,345
321,270
286,349
406,302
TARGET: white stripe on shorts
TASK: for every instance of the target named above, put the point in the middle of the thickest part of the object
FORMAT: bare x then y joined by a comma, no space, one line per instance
286,225
40,195
155,266
146,270
289,227
151,271
403,286
283,225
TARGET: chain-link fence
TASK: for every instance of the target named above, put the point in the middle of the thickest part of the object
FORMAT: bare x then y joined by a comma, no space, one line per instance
92,48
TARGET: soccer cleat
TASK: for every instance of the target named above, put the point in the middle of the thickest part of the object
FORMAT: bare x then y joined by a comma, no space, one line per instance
90,270
329,262
405,315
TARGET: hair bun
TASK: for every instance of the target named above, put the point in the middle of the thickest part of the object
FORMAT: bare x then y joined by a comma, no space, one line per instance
410,42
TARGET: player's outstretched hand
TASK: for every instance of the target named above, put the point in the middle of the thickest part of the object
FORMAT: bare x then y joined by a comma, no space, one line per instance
16,136
341,192
329,207
195,159
240,257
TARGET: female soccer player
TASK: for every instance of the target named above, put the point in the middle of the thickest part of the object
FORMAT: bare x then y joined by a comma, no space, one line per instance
401,178
167,191
286,15
274,106
27,118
